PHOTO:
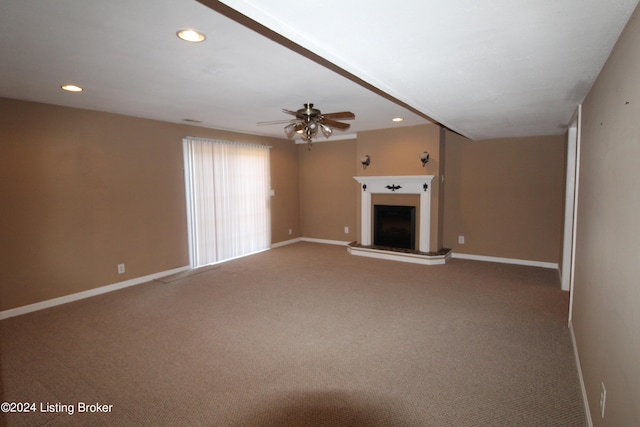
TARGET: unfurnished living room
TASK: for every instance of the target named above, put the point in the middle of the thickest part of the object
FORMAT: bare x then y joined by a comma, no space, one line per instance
234,213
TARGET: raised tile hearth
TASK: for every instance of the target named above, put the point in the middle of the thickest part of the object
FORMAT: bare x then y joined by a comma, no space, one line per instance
398,254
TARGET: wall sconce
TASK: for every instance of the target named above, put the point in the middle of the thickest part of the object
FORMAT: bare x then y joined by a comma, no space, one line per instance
424,157
365,160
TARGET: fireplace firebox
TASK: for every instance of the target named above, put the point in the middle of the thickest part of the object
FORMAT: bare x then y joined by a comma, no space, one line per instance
394,226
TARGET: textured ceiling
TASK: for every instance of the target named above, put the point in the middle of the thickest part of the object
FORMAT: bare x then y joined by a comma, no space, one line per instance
485,69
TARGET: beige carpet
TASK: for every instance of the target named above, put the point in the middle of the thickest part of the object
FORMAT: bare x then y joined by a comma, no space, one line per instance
305,335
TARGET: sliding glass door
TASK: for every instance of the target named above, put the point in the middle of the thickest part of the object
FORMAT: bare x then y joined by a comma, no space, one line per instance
228,199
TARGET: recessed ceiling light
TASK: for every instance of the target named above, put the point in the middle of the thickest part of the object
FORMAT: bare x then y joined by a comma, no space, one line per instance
71,88
191,36
397,119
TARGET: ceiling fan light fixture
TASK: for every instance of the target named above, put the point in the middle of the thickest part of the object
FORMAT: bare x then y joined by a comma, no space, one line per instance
326,130
290,129
311,130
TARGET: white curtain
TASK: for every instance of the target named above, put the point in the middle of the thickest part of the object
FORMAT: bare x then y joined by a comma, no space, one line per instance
228,199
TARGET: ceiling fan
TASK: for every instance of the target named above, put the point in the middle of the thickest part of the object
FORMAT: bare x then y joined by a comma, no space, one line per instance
308,120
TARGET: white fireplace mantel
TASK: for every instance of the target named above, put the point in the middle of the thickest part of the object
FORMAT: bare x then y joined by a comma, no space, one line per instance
412,184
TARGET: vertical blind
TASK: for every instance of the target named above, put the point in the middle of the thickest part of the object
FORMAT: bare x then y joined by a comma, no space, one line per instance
228,198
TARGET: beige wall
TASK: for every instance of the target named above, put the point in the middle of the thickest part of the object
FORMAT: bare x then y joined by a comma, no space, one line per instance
505,196
606,307
83,191
285,181
328,192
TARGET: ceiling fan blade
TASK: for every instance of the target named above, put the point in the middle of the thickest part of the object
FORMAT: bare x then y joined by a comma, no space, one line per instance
336,125
273,122
293,113
342,115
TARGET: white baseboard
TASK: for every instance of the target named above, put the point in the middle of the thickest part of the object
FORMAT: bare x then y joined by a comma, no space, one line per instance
579,367
309,239
285,243
506,260
326,242
86,294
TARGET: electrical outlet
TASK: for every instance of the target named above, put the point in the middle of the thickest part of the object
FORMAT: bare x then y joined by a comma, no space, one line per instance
461,240
120,268
346,230
290,231
603,399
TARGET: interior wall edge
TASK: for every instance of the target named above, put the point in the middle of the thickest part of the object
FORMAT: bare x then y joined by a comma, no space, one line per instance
583,388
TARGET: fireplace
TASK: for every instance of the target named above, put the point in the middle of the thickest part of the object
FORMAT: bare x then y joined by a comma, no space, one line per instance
394,226
419,245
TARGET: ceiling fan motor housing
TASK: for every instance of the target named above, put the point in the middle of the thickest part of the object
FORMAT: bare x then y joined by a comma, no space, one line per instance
308,113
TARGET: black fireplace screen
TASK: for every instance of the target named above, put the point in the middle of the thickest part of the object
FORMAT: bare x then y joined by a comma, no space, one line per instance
394,226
